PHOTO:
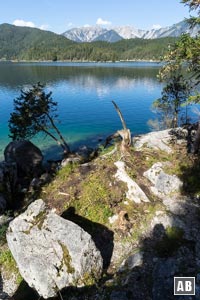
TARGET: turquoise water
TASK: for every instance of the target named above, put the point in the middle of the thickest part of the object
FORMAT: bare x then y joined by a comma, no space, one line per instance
84,92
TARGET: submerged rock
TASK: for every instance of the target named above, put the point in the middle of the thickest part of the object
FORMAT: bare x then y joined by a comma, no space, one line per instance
51,252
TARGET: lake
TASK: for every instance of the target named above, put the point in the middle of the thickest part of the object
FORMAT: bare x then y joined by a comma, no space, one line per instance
84,92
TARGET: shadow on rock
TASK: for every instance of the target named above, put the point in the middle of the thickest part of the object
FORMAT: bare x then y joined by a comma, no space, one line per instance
24,291
169,250
149,274
190,176
101,235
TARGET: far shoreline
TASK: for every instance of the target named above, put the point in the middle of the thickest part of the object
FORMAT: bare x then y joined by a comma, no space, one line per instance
81,61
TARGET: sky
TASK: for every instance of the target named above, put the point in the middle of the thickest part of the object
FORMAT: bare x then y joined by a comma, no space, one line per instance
61,15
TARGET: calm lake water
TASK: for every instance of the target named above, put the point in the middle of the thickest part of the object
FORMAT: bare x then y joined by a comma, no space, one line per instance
84,92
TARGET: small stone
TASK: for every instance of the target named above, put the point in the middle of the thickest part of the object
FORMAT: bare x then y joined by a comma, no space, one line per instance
132,261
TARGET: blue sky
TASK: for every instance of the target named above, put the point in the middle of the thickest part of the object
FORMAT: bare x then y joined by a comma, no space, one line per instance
61,15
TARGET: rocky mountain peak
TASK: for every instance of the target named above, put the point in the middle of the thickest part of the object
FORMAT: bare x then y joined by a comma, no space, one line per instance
113,34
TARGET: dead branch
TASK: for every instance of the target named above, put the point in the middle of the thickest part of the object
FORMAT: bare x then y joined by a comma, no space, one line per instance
124,134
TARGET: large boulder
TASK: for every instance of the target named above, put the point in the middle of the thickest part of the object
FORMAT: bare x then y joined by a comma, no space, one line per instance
51,252
26,155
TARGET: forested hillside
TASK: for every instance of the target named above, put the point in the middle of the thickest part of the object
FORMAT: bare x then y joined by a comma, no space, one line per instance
23,43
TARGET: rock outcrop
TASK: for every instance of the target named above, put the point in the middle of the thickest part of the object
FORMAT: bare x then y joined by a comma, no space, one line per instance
134,192
51,252
163,184
146,243
26,155
158,140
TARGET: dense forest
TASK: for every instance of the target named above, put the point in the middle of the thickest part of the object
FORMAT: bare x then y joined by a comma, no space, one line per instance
24,43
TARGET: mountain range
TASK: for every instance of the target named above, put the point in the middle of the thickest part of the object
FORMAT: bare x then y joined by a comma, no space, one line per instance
114,34
123,43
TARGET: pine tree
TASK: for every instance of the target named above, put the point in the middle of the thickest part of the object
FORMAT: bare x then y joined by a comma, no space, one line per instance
34,112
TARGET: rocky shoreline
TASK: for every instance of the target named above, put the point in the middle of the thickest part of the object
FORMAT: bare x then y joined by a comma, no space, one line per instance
141,213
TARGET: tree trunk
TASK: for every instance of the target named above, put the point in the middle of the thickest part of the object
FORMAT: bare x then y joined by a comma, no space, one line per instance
126,140
53,137
65,145
125,134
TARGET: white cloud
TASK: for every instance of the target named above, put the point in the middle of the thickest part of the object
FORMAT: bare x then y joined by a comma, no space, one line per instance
44,27
86,25
100,21
23,23
156,26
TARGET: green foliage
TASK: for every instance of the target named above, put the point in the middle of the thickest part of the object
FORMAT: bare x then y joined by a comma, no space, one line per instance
8,263
3,230
174,94
30,114
187,50
34,112
93,202
179,85
66,171
23,43
134,49
26,43
193,5
66,259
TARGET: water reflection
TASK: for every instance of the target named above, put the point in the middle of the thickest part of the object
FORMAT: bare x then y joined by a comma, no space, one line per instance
84,93
13,75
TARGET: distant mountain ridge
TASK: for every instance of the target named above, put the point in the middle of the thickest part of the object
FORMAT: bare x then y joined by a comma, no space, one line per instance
32,44
114,34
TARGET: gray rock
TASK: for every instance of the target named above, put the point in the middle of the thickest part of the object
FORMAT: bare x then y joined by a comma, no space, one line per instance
158,140
84,152
70,160
5,219
164,184
26,155
167,220
134,193
51,252
163,273
132,261
9,285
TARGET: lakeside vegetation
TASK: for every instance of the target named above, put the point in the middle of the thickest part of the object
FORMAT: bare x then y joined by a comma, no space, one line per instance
31,44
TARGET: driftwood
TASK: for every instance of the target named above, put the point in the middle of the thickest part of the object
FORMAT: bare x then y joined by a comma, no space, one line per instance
124,133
